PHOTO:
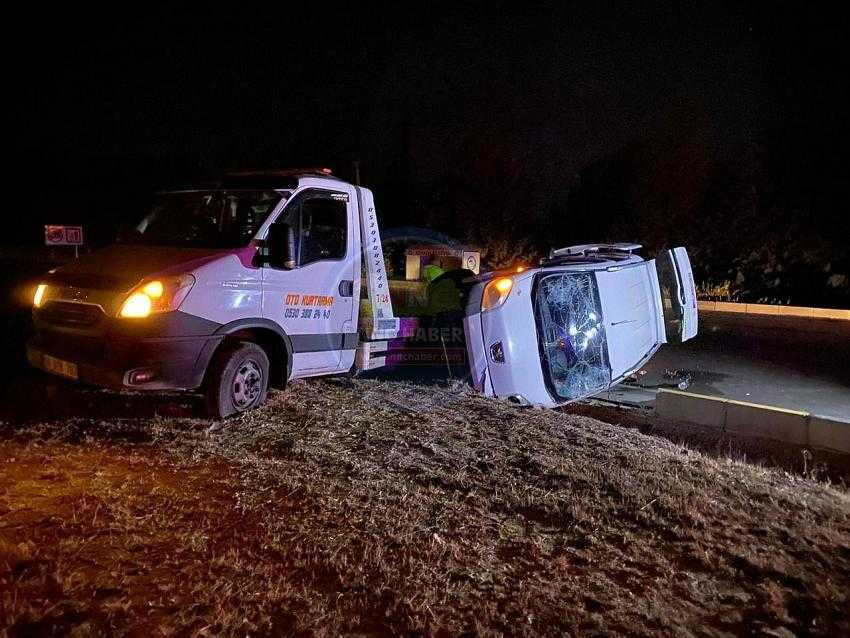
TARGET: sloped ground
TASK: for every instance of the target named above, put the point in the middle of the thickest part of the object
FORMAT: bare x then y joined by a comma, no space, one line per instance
374,507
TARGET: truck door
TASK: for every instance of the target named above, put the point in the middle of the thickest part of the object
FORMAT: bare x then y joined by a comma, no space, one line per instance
678,294
314,300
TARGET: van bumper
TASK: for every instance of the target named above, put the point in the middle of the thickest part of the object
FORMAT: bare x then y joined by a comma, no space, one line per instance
172,363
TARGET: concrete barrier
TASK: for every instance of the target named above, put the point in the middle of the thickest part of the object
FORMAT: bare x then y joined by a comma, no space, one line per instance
830,434
770,309
796,311
728,306
830,313
753,419
693,408
767,421
761,309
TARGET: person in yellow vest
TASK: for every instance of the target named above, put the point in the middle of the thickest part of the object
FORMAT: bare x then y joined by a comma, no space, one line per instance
431,272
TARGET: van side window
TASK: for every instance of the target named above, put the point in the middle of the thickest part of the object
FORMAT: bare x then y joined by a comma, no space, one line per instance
323,228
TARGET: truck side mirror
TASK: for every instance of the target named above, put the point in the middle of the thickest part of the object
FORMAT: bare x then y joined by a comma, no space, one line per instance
281,245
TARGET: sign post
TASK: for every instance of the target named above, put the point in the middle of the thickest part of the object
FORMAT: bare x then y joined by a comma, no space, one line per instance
64,236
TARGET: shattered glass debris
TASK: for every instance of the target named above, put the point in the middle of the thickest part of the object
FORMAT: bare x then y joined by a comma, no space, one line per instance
572,336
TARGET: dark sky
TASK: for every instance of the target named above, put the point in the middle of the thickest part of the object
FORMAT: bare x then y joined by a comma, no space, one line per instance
101,96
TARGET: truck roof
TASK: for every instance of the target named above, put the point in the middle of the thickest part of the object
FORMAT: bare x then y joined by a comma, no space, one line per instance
273,179
277,179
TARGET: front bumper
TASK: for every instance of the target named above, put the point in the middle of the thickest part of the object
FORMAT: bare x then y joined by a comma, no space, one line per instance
511,328
109,359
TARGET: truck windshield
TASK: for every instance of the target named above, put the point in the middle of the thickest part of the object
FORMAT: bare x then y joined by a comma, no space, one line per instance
206,219
573,346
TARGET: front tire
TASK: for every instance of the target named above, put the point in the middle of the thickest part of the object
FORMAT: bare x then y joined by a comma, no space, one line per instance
237,380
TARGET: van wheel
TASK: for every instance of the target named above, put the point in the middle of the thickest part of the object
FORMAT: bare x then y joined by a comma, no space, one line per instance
238,380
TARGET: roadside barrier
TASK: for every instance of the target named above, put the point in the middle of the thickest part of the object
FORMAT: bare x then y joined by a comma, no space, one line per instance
753,419
777,311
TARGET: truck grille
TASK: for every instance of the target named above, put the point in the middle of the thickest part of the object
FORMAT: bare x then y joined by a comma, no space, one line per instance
68,313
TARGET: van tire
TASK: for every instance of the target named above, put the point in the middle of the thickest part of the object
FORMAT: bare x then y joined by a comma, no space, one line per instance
237,380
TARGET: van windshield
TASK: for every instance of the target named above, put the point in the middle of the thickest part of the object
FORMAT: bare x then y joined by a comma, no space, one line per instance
205,219
573,345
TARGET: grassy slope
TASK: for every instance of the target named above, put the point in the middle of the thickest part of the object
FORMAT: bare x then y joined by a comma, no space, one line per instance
368,507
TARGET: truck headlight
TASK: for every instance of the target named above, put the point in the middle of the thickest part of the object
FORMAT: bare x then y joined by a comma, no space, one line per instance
496,292
38,297
158,295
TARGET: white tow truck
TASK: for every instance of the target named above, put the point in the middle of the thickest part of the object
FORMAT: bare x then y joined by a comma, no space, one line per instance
256,280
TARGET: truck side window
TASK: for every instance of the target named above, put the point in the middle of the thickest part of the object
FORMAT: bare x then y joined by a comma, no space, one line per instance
323,228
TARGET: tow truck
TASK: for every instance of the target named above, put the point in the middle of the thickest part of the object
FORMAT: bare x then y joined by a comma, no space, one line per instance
256,280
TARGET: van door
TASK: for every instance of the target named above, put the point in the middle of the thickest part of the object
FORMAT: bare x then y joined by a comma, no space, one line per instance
678,294
314,301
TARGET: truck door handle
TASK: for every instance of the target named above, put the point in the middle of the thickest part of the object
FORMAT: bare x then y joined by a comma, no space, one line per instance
346,288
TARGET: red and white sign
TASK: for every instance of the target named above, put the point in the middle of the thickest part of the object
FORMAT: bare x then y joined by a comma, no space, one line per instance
63,235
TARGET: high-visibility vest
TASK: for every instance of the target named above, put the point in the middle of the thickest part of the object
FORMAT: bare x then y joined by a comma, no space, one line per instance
431,272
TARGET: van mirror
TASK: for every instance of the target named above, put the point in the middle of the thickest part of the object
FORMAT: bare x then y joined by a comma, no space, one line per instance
281,246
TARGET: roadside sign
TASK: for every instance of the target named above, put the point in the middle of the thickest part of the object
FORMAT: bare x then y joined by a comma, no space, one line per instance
63,235
471,260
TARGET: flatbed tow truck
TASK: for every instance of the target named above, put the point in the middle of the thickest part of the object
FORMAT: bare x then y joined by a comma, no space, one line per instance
256,280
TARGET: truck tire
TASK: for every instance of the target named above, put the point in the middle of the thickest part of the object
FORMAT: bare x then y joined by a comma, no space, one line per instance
237,380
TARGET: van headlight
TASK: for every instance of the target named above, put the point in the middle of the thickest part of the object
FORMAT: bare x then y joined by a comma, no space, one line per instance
496,292
157,295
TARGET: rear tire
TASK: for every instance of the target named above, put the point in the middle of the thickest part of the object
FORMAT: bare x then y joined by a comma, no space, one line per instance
237,380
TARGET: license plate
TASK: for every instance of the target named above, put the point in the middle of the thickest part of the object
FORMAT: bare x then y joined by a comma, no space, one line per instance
60,367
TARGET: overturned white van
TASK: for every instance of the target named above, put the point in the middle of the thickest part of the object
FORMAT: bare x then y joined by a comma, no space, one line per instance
580,323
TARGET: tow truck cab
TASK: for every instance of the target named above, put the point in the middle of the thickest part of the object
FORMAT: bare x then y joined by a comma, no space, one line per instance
224,287
579,324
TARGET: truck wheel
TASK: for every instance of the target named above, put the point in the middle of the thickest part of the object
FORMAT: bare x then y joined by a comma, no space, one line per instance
237,380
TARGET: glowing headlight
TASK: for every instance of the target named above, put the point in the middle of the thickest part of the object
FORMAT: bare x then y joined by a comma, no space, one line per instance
154,289
159,295
137,305
496,292
38,297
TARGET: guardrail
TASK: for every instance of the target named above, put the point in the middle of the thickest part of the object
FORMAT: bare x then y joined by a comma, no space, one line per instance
753,419
774,310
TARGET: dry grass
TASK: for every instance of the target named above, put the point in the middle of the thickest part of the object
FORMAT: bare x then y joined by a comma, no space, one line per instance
372,507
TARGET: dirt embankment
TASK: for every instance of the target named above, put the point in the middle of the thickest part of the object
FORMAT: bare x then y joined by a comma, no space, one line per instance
372,507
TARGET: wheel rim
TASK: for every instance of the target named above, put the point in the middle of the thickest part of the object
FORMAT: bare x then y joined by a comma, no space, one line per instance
247,384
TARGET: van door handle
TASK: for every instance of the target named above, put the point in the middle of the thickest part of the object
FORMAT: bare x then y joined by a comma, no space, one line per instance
346,288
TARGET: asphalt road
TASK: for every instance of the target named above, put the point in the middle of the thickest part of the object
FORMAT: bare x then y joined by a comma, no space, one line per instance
795,363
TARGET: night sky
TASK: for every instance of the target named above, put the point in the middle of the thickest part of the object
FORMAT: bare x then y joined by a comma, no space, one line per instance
106,105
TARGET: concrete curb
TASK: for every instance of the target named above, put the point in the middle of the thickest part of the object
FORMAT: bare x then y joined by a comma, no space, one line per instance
830,434
777,311
768,422
753,419
692,408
